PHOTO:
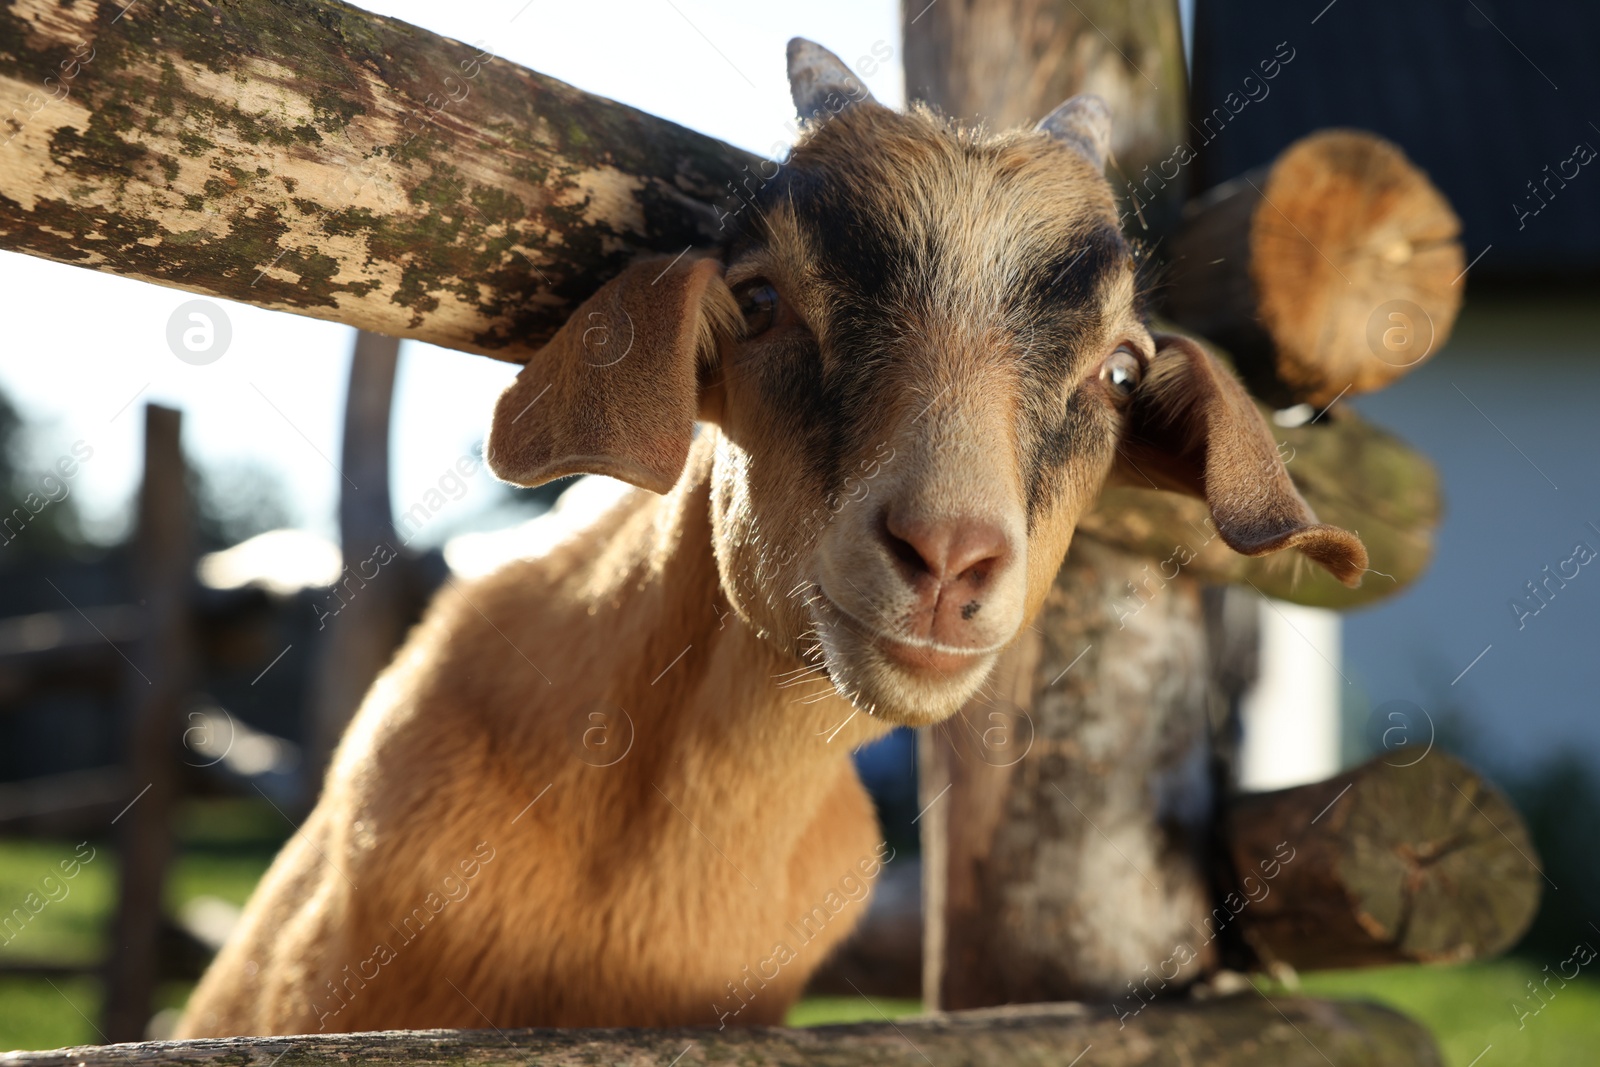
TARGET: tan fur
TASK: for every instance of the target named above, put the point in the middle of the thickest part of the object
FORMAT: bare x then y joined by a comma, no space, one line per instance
620,897
932,373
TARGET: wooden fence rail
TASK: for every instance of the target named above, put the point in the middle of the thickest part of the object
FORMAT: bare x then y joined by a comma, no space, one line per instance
316,158
1234,1032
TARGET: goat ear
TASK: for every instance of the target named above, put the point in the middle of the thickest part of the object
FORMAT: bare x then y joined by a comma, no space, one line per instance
616,390
820,83
1193,428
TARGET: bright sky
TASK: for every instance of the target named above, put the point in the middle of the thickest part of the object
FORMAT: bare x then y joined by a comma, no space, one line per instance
85,350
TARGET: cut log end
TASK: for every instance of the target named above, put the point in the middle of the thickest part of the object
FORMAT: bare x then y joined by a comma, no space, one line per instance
1334,271
1395,861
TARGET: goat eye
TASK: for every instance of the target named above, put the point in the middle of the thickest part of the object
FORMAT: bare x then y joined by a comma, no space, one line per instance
758,303
1121,373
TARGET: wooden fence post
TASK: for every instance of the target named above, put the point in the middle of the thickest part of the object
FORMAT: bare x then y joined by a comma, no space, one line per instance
159,681
362,618
1070,852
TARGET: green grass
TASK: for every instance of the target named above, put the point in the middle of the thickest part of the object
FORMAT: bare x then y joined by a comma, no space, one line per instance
225,849
1470,1008
49,916
819,1011
33,1015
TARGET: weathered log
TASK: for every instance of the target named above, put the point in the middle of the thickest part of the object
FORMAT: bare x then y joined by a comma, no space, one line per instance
1352,473
161,675
1395,861
309,156
1243,1031
1332,271
1009,62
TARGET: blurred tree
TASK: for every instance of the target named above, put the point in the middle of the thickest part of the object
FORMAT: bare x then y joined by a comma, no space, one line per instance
237,499
38,515
1561,802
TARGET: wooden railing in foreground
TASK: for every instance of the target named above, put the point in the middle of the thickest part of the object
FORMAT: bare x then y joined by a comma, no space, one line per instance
1238,1031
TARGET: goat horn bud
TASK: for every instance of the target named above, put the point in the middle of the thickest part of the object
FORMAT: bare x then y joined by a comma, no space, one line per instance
820,82
1083,123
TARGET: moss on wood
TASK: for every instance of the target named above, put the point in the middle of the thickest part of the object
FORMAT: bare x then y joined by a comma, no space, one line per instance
342,165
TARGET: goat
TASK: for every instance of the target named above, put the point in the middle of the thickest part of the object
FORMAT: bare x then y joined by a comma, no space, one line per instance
912,370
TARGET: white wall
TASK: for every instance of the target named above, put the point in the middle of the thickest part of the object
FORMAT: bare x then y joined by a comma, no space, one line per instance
1291,714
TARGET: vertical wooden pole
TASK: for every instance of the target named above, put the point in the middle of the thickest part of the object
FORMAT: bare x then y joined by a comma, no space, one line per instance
1063,852
1068,856
1009,62
159,680
360,623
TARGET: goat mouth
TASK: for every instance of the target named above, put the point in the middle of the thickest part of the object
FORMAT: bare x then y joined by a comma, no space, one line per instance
928,658
917,657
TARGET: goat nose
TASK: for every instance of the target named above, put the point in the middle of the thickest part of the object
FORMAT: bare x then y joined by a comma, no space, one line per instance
956,549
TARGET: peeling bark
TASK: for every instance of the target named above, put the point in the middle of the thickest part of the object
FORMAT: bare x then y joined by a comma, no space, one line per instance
308,156
1009,62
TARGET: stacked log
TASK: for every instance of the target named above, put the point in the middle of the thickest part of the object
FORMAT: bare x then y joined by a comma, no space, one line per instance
1394,862
1330,272
1352,473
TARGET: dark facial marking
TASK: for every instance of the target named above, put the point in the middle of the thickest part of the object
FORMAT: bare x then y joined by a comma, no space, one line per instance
1064,306
1074,278
875,261
873,271
1052,441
